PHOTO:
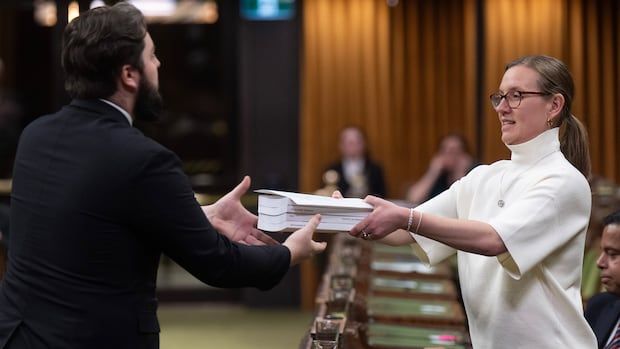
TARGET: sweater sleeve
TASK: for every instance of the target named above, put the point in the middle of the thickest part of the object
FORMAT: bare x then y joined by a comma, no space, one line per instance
545,217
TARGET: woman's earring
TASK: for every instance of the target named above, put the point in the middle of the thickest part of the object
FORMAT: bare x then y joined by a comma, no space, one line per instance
550,123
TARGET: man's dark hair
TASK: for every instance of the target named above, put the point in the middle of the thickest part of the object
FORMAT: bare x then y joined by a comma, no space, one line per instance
613,218
97,44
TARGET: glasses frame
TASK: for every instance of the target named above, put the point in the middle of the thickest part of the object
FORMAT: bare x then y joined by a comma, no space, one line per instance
521,95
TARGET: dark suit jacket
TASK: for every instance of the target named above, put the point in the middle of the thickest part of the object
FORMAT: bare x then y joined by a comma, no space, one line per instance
374,178
602,313
94,204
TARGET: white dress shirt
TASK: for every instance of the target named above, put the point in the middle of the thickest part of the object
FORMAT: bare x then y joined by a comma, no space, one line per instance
123,111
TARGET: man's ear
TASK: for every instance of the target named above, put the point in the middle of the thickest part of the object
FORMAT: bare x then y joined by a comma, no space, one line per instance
130,77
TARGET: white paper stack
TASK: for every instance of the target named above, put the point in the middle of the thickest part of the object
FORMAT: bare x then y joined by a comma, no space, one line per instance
281,211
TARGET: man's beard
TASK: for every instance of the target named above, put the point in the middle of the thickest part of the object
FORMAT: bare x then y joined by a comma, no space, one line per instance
149,103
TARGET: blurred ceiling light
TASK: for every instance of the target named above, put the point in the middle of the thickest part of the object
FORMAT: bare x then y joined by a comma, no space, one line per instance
209,13
73,10
150,8
45,12
190,11
174,11
97,3
155,8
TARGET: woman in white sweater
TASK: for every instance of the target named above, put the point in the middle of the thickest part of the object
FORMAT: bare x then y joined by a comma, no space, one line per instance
518,226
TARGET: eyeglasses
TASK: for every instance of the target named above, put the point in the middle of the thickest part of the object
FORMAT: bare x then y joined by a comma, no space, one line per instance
512,97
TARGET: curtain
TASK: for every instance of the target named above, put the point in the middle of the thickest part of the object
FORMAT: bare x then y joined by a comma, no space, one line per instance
593,54
405,74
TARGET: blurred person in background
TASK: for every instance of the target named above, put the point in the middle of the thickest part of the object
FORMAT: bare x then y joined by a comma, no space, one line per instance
95,203
357,174
603,310
451,162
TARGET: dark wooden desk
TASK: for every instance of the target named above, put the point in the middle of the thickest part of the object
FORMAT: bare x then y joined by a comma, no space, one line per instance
394,301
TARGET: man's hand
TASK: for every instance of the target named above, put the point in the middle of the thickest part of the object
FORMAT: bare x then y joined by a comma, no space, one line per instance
231,219
300,242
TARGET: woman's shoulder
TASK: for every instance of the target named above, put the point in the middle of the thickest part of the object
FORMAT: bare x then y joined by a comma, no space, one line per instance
559,166
480,174
561,177
482,169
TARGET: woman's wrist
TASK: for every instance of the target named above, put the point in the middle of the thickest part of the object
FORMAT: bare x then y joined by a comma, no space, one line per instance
409,219
414,221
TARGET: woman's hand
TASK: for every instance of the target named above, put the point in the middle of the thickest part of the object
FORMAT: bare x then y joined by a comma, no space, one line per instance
337,195
385,218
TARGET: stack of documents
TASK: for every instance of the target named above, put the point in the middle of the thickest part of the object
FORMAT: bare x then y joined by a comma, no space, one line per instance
281,211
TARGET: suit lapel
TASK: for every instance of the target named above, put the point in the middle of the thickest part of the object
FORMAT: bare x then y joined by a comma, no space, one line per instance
606,321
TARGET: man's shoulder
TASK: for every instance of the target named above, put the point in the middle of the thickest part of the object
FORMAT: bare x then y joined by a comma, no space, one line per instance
132,145
600,301
90,131
604,297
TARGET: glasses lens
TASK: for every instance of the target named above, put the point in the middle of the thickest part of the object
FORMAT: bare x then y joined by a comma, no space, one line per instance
514,99
496,99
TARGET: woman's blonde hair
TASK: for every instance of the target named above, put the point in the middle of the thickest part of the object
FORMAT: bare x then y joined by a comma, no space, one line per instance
555,78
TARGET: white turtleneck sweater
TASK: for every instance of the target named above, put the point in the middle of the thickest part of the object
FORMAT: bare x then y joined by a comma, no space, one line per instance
528,297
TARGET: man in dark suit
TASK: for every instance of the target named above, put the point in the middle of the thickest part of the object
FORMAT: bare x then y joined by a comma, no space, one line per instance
603,310
358,175
95,203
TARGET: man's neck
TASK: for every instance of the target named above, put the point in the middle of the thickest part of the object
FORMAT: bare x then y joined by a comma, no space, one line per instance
120,109
123,100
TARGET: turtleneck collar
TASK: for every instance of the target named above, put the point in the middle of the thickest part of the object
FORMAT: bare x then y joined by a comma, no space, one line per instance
533,150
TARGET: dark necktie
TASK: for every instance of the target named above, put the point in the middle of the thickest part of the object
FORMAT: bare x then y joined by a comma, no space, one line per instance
615,341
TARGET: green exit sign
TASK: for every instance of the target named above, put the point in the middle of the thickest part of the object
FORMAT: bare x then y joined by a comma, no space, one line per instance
267,10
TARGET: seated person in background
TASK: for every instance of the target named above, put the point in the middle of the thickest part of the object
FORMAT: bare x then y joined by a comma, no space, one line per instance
358,176
451,162
603,310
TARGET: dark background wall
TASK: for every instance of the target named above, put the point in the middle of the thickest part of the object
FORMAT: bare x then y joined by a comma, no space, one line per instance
269,101
268,115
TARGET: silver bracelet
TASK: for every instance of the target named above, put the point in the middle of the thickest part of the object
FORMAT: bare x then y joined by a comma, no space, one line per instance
410,221
419,223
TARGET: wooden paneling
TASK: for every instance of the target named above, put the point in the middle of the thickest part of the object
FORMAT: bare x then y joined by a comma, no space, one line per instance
397,72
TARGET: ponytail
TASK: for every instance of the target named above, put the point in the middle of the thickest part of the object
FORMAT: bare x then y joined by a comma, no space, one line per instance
574,144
